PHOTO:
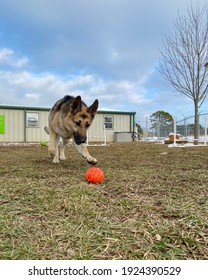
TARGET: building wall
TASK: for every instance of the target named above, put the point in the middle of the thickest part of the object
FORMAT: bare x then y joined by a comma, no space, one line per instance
17,130
13,125
97,133
38,134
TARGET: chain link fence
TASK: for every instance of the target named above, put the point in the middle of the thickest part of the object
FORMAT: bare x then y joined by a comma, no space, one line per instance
184,127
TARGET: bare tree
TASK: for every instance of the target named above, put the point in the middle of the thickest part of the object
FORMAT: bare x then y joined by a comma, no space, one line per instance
184,57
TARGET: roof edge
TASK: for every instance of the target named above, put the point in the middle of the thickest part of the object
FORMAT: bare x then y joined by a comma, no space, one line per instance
19,107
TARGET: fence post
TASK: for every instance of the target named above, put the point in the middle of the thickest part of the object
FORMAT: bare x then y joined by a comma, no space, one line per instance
175,131
205,132
105,136
185,127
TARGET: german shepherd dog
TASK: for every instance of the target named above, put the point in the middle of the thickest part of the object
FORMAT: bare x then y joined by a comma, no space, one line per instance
70,118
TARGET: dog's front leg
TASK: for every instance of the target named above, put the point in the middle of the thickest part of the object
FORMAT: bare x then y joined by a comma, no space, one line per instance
62,150
82,149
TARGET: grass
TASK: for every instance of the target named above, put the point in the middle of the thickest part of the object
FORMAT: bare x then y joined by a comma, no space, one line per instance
153,204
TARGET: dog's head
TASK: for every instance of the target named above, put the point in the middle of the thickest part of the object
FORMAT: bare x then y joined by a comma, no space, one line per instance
80,117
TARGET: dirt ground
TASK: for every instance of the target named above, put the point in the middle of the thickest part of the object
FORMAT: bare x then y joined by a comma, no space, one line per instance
153,203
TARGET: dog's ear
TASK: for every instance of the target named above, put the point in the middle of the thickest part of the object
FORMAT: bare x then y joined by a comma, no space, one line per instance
93,108
76,105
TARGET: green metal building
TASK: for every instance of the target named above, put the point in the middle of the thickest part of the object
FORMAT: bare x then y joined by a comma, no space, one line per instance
26,124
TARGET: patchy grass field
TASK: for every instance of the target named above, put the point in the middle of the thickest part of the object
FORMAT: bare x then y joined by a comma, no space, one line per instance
153,204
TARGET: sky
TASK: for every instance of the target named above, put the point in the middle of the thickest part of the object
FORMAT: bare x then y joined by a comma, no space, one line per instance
104,49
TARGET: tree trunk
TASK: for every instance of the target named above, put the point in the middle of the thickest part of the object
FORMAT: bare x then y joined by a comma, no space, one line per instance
196,124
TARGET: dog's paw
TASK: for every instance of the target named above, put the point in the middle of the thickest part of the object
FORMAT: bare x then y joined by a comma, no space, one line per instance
92,160
62,158
56,160
51,151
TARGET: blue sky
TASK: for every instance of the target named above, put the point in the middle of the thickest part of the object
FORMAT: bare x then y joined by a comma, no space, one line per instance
105,49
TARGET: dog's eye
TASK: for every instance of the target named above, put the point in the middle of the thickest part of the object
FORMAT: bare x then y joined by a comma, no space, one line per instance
77,123
87,125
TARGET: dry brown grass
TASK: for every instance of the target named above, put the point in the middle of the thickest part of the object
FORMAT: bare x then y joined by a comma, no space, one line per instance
153,204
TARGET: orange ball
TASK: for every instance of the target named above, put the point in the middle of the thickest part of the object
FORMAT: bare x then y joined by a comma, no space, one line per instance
94,175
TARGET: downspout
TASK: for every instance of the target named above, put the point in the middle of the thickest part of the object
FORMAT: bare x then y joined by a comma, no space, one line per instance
25,131
132,122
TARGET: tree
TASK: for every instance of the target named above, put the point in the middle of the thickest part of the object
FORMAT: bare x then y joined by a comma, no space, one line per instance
161,118
184,57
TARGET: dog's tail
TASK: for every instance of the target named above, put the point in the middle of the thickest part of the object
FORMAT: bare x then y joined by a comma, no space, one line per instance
46,130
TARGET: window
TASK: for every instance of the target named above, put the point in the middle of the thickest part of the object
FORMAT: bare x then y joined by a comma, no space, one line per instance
108,122
32,120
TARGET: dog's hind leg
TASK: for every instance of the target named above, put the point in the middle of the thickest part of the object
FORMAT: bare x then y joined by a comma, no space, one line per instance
82,149
47,129
51,147
62,150
56,157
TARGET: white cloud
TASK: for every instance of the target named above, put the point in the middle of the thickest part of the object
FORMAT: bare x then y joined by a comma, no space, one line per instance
5,55
33,97
24,87
9,58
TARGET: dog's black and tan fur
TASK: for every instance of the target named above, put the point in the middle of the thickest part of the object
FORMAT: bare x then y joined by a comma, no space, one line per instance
70,118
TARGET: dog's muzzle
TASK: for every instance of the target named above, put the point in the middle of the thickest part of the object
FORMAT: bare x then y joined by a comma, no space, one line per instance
79,139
